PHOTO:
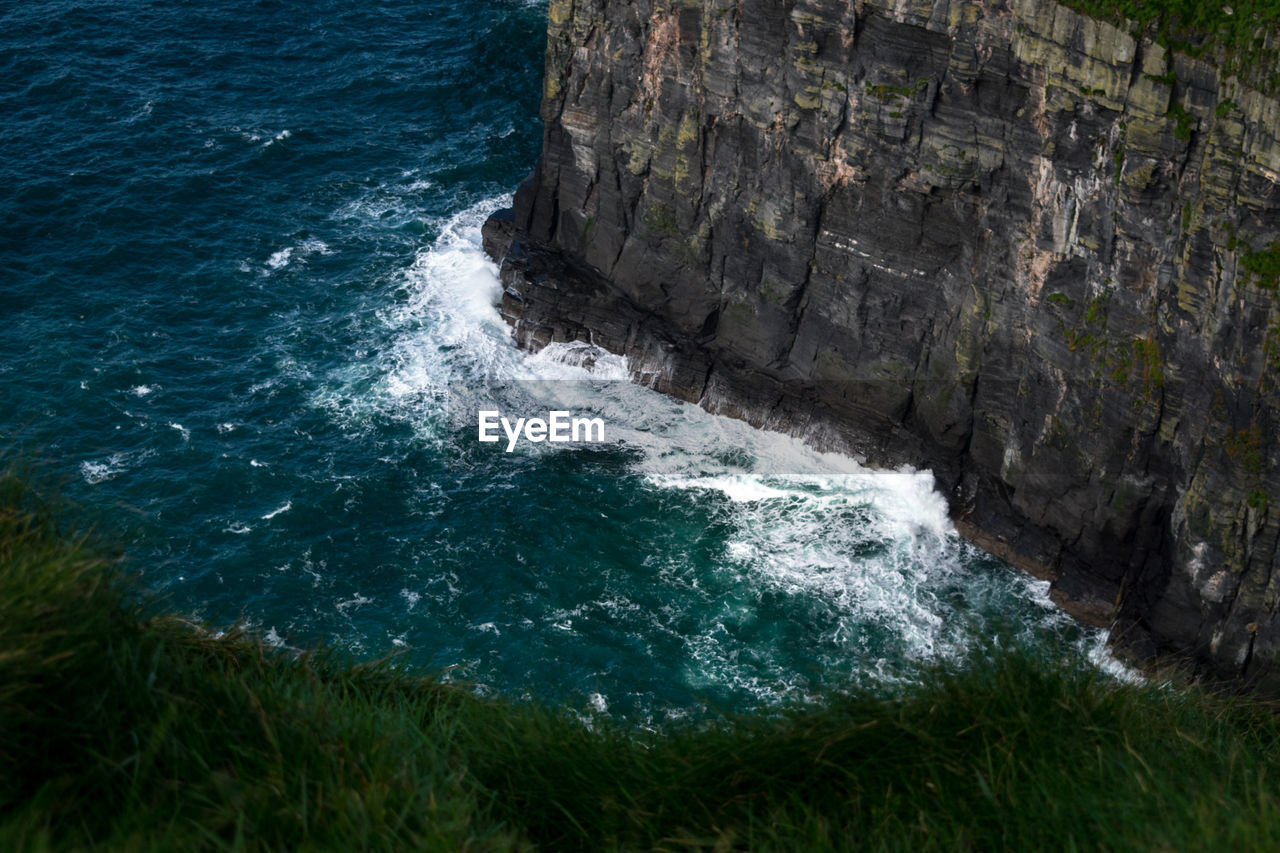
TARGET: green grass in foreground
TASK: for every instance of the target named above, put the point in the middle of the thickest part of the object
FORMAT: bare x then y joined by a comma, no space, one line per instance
124,729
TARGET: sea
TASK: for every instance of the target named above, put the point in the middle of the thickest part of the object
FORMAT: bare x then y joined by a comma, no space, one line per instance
247,321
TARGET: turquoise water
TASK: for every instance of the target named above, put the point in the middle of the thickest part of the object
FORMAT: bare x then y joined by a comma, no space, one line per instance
246,319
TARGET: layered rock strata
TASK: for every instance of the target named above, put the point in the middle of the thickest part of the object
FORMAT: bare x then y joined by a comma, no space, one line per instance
998,239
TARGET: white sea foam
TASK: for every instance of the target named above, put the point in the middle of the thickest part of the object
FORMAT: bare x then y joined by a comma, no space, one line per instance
288,505
871,549
96,471
446,331
356,601
739,488
280,259
578,360
1094,645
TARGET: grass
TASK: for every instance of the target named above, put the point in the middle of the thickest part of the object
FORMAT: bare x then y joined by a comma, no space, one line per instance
1231,35
1265,265
1185,122
123,727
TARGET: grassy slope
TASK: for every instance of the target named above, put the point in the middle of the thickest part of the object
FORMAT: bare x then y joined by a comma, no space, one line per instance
123,729
1235,40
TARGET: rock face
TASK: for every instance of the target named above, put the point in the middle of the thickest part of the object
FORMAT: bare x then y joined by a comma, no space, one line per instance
997,239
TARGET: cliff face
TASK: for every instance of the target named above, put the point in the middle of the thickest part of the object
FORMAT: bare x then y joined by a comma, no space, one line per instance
998,239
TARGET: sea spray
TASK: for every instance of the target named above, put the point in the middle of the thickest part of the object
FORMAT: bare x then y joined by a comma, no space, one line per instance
262,352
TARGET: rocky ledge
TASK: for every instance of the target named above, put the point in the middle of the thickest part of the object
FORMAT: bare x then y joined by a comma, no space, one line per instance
998,239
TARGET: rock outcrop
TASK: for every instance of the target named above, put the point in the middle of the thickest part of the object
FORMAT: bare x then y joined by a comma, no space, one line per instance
998,239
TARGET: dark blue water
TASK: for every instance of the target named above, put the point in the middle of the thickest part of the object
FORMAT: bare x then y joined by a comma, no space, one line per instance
242,297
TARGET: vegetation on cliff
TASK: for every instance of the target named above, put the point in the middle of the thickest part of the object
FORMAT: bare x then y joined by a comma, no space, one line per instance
125,727
1242,37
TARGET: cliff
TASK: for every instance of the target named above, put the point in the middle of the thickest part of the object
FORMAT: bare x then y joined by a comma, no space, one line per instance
998,239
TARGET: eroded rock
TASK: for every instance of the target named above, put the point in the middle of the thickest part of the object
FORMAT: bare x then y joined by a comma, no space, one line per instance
998,239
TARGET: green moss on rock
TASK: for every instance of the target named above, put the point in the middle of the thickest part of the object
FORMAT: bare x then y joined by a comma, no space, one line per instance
1265,265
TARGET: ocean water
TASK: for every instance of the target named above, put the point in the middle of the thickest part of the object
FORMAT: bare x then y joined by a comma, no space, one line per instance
246,319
